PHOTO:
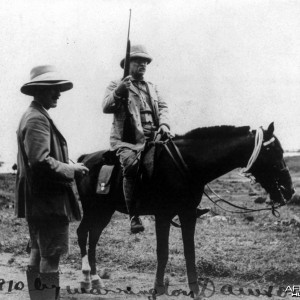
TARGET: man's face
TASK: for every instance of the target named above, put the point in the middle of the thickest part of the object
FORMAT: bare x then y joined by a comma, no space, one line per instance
49,96
138,67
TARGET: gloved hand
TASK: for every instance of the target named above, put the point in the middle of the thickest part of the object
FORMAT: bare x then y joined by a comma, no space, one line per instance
164,131
123,86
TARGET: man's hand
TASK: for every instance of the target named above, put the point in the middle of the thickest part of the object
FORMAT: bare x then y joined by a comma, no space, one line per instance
164,132
124,85
80,169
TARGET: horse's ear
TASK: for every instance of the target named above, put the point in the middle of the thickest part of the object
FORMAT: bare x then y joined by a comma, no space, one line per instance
270,129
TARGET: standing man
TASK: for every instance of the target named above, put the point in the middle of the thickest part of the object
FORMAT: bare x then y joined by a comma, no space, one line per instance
149,116
45,186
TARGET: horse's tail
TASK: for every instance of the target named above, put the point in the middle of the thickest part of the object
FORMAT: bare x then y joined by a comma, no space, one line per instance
81,158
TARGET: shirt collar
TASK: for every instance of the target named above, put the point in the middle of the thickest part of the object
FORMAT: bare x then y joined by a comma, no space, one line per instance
41,107
138,80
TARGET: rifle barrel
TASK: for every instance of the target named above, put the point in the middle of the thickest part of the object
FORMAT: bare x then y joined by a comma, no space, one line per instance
127,56
129,24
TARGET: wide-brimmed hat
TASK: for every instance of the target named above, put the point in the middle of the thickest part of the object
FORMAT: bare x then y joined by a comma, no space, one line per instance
137,51
42,76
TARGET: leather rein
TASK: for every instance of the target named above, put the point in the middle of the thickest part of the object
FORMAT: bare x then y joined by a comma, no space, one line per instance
184,171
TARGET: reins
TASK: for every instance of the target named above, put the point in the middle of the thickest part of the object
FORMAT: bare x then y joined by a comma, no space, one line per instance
244,209
183,169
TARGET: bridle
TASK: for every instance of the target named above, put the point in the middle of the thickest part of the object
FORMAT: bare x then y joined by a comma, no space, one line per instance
246,172
258,144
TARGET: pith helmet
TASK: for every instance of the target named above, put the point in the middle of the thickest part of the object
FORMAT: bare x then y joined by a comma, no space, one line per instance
45,76
137,51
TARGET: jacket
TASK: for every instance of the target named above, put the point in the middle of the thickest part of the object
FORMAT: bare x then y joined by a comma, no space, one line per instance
45,186
111,105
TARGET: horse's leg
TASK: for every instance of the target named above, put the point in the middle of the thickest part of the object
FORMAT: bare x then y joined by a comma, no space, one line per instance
188,224
100,220
82,234
162,226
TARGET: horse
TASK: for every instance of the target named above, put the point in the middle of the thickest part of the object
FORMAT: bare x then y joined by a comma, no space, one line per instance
207,153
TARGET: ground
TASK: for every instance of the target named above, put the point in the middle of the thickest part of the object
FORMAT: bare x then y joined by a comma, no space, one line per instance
246,251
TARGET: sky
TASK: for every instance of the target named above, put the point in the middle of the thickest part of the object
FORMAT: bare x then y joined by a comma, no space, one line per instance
216,62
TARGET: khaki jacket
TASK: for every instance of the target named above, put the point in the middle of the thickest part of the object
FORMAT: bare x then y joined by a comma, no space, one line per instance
45,186
111,105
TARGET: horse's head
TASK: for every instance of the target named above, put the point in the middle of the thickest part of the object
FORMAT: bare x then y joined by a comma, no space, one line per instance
270,169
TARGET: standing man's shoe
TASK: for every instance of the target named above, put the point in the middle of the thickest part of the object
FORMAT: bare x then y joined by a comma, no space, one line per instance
136,225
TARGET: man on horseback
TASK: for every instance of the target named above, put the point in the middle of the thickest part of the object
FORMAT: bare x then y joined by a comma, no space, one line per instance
149,114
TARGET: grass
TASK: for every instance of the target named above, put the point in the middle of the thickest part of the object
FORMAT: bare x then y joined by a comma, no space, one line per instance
263,248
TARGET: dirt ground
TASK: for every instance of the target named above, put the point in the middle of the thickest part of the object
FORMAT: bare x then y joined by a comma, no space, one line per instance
121,282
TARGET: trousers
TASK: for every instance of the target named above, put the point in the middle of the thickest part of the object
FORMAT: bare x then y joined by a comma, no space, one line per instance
130,162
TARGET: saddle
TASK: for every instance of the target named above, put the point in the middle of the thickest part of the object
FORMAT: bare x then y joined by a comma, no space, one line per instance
111,169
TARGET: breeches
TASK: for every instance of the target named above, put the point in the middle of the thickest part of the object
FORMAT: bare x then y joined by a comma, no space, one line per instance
130,161
50,239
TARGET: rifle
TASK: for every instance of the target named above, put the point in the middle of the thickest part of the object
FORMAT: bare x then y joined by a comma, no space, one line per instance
128,127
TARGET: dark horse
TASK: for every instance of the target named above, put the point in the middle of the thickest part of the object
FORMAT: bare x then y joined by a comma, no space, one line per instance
208,154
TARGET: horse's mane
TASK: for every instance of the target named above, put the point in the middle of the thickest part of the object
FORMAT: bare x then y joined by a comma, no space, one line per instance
219,132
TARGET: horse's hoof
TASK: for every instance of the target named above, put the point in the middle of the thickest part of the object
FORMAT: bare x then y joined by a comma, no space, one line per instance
159,290
97,282
85,285
86,276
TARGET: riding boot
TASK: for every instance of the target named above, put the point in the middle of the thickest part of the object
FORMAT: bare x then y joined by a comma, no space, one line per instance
33,276
50,286
136,224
